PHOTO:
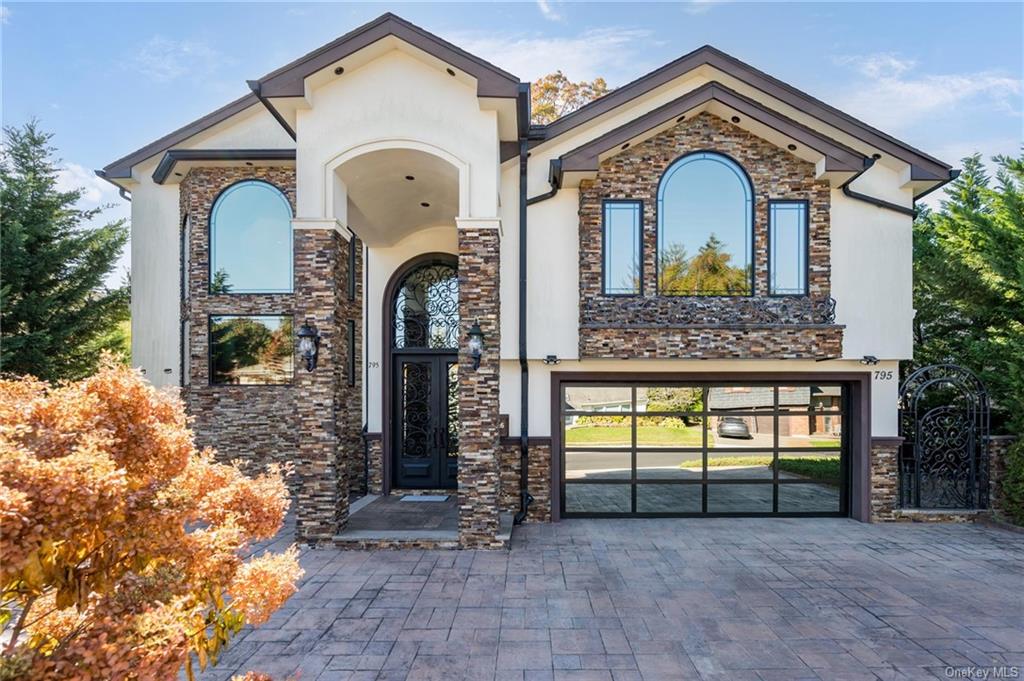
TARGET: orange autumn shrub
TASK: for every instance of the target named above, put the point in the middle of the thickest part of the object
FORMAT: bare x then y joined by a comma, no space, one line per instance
121,544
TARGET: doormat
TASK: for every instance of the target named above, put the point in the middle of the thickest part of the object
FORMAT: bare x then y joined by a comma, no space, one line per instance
424,497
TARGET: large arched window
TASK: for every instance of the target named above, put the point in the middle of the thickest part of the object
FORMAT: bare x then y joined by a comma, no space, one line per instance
251,240
426,308
705,228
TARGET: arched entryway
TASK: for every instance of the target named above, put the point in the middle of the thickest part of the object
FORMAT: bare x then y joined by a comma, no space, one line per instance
421,401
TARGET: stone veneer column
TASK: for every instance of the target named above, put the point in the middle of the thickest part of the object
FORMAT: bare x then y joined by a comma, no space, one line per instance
884,477
321,265
479,431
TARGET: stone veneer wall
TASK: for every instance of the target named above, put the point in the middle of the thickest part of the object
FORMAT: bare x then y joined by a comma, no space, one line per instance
699,327
281,423
538,474
479,253
885,478
375,454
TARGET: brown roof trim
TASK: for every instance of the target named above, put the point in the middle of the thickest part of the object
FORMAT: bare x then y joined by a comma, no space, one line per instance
757,79
287,81
837,156
172,157
122,167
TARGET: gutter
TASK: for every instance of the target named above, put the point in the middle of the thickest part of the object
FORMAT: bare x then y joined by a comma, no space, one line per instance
124,193
874,201
554,173
953,174
525,498
256,88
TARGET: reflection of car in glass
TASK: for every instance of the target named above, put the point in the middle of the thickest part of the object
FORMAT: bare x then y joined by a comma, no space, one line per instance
733,426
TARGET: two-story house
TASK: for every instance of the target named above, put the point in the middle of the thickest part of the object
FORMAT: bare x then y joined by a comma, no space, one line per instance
688,297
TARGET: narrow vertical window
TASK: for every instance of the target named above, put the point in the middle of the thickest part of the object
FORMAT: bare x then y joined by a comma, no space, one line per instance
787,257
351,364
622,222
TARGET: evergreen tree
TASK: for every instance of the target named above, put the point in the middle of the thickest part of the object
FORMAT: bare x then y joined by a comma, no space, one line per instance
56,315
969,281
707,273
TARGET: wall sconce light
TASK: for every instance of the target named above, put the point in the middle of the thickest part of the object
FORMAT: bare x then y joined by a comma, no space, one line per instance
551,359
476,344
309,343
869,360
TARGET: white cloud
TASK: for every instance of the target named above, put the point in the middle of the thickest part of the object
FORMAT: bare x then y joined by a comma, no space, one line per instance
549,12
616,54
696,7
163,59
893,96
5,14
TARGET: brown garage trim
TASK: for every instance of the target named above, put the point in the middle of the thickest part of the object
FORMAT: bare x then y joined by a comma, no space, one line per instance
287,81
838,157
773,87
859,384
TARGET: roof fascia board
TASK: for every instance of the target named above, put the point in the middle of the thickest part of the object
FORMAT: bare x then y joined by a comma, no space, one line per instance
172,157
838,158
758,80
288,80
122,167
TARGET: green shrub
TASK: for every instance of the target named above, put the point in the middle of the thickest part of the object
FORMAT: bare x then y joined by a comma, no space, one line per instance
1013,483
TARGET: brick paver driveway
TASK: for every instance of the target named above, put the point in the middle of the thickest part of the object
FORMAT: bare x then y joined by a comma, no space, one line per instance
658,600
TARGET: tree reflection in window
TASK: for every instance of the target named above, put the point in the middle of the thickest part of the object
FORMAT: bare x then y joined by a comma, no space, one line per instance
705,228
251,350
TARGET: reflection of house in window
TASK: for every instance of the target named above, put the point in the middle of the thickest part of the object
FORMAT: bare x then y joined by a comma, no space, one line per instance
251,350
810,410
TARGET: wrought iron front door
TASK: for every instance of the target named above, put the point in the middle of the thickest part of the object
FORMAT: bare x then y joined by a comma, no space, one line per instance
426,423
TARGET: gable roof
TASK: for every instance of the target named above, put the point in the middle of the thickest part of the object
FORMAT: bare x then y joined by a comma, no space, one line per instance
838,157
924,166
287,81
492,81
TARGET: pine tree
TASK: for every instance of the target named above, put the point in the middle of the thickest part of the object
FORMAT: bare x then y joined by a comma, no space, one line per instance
969,281
56,314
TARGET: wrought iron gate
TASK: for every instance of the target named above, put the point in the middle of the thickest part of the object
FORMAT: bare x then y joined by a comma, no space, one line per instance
944,422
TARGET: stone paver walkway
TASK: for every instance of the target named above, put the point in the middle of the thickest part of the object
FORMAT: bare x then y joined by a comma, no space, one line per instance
655,600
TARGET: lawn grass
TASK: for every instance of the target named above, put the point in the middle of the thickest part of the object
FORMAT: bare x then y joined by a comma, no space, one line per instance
821,468
622,435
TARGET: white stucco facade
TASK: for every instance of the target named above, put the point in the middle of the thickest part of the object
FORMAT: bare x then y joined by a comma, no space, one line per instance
405,102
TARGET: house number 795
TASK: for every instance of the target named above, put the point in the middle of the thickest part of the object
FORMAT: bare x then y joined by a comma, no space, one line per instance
885,375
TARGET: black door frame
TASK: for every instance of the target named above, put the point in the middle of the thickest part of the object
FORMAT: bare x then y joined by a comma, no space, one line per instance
387,363
439,360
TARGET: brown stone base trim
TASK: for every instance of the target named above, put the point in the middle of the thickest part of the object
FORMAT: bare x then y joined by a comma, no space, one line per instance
539,477
884,477
393,544
375,448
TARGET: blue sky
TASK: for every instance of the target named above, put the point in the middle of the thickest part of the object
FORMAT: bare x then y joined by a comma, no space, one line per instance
109,78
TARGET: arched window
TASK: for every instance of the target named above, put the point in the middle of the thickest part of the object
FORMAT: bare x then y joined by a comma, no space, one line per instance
426,312
705,228
251,240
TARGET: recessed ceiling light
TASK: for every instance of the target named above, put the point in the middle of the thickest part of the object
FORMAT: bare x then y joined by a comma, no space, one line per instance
410,178
339,70
792,147
735,119
450,72
424,204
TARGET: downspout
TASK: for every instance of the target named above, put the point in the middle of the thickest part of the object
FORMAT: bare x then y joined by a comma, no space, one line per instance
525,498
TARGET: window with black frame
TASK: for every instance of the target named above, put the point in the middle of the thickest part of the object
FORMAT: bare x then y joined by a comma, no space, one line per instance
251,350
705,227
622,224
788,248
756,449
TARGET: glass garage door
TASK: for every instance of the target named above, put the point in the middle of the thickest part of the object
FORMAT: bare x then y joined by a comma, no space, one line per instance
703,449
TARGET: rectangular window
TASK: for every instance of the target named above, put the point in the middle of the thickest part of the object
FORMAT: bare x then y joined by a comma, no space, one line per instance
622,223
787,238
251,350
351,338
